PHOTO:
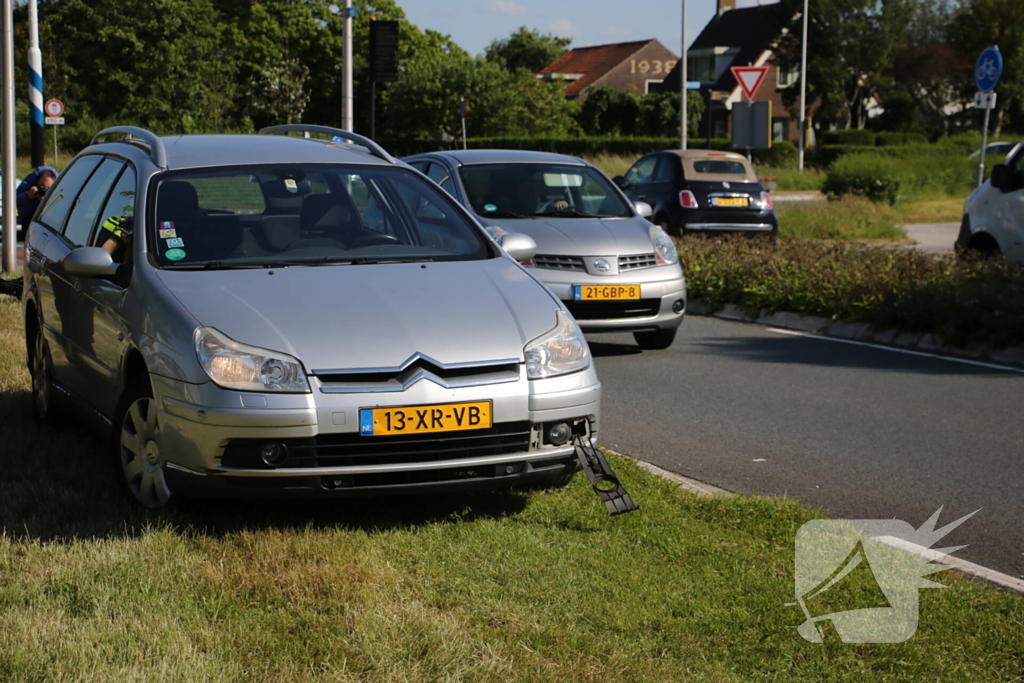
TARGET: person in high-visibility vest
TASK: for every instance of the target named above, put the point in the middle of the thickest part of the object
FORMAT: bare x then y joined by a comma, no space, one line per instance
116,236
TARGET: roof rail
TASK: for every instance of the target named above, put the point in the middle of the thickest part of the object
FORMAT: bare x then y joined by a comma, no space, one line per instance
133,134
371,146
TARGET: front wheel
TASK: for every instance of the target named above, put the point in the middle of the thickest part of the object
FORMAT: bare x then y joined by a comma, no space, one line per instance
136,444
656,341
42,385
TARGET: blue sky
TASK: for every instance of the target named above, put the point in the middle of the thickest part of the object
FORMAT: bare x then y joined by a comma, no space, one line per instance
473,24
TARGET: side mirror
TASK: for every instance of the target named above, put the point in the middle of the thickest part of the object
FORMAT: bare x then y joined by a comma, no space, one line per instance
1000,176
619,180
519,246
90,262
644,209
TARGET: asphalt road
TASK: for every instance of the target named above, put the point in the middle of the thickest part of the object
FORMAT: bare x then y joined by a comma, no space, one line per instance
861,433
933,238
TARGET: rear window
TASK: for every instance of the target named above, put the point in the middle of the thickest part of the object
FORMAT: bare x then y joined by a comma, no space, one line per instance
719,167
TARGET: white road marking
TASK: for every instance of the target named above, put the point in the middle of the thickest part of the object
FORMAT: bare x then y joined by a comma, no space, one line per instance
966,567
894,349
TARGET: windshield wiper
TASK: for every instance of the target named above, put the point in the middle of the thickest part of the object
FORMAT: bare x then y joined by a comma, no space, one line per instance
570,213
502,214
366,260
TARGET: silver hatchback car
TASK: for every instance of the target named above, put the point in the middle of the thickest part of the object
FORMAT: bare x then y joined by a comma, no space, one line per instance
284,316
613,269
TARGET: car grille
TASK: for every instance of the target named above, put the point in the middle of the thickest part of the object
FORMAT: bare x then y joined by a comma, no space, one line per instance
636,261
559,262
610,310
351,449
415,369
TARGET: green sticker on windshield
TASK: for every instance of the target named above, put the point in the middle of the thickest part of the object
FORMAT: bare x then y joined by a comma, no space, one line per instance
490,207
175,254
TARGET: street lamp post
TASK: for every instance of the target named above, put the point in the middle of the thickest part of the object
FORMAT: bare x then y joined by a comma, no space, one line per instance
803,92
682,86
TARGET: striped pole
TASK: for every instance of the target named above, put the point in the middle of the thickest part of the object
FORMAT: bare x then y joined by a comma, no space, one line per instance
35,85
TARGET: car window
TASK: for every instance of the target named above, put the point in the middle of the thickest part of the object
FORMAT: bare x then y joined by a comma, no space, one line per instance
642,171
663,172
439,174
719,167
522,190
61,196
87,206
418,165
120,205
344,214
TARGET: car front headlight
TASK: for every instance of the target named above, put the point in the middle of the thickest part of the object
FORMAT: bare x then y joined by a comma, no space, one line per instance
558,351
233,365
665,253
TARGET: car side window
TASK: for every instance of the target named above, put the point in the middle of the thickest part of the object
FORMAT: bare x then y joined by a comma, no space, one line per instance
418,165
642,171
62,195
87,206
663,173
120,205
440,175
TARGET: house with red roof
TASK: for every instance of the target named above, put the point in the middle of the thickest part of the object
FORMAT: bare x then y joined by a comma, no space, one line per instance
628,67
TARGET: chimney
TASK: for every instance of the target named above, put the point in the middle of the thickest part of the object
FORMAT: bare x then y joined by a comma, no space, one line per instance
725,5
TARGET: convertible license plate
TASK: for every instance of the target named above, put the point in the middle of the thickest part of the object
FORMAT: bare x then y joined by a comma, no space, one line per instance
444,417
605,292
730,201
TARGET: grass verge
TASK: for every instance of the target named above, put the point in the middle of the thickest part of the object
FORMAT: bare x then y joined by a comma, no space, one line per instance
965,303
932,210
790,179
850,218
501,587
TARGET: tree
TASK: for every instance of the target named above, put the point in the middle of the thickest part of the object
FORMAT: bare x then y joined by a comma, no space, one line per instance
611,112
526,49
853,44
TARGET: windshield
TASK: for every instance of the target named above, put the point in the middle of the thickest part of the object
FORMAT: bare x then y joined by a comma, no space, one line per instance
528,190
283,215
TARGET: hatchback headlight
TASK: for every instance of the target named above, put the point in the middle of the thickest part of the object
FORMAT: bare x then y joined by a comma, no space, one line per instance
665,253
558,351
233,365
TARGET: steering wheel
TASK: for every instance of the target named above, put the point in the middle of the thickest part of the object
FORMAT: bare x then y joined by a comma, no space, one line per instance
372,239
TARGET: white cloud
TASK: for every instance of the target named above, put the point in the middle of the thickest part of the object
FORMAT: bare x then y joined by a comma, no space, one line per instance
505,8
564,28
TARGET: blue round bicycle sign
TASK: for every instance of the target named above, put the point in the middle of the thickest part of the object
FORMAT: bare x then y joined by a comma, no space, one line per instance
988,69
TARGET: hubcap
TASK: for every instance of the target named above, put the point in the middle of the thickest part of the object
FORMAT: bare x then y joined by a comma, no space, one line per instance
40,377
140,454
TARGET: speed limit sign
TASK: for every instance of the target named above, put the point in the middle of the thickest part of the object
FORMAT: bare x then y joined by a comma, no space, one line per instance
54,108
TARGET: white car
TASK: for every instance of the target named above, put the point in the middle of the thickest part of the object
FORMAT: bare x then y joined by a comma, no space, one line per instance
993,220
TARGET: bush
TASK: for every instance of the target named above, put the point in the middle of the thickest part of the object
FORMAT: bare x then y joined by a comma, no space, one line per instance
871,176
852,136
966,303
779,155
887,138
574,146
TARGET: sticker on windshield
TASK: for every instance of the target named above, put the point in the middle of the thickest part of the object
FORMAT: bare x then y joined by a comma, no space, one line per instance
490,207
291,185
175,254
167,225
168,233
177,242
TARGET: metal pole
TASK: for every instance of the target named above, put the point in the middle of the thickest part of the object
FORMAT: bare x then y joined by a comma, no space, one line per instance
373,108
682,87
35,86
803,93
346,79
54,146
7,139
984,143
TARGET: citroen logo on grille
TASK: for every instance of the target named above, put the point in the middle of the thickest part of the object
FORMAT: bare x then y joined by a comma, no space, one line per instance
602,265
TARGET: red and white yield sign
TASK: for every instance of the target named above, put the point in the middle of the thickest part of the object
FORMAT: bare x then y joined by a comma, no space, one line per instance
749,78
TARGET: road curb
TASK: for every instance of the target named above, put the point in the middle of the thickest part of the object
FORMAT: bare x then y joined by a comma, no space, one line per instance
862,332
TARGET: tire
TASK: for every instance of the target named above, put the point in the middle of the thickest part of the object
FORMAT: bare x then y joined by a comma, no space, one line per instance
42,382
135,446
656,341
983,247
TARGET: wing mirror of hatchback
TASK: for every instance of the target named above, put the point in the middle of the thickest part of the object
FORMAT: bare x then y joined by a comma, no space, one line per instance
1000,176
519,246
619,180
644,209
90,262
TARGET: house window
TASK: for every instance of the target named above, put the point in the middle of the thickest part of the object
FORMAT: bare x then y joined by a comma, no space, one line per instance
702,69
787,77
780,129
648,84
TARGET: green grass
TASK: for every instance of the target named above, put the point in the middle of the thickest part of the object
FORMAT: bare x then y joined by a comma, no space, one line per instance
612,164
503,587
789,179
940,209
850,218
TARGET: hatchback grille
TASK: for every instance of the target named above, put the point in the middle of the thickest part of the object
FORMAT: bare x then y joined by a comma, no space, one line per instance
351,449
636,261
559,262
609,310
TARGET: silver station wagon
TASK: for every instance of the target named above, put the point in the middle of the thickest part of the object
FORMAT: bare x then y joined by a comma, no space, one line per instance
277,315
613,269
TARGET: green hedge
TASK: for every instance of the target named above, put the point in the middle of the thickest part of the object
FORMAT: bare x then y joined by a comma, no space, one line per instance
864,175
890,174
870,138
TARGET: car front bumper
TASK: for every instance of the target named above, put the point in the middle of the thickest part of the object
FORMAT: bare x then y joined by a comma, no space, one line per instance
662,303
204,428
